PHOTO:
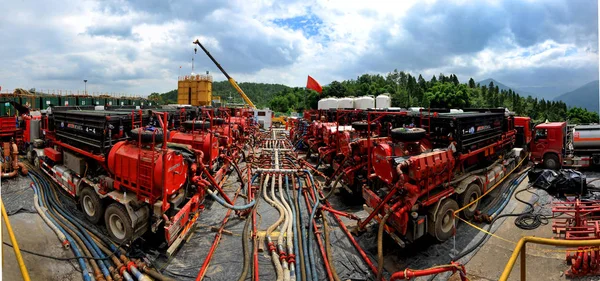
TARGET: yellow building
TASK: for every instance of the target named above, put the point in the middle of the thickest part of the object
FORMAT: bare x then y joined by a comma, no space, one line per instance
195,89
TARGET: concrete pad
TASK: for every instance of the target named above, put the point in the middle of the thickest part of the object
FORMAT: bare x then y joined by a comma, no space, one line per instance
33,234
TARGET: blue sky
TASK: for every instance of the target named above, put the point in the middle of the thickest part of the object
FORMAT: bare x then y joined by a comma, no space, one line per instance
137,46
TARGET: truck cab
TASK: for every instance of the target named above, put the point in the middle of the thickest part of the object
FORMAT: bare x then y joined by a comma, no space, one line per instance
548,144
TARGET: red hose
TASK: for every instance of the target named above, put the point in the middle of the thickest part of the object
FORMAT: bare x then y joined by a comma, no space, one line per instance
217,240
409,273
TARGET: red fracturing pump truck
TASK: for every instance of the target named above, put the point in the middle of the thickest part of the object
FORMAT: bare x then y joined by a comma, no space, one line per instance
132,180
418,177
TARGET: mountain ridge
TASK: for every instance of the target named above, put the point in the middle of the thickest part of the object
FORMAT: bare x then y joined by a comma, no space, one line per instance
503,86
585,96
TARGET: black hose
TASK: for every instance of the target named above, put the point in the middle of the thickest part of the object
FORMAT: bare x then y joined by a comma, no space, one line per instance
526,221
245,239
332,187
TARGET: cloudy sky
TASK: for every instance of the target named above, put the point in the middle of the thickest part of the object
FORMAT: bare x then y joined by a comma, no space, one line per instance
138,46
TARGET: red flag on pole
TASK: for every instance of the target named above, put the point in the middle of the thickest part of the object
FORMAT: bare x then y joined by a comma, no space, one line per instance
312,84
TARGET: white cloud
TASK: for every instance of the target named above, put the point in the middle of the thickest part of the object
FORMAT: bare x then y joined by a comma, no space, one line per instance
138,46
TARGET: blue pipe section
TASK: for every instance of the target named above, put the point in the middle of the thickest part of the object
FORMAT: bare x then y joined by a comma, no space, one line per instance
294,229
307,268
229,206
233,207
86,274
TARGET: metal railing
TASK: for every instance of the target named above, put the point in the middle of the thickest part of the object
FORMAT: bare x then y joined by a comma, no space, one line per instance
521,249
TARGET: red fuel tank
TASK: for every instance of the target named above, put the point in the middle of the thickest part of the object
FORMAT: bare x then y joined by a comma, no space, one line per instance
123,161
204,141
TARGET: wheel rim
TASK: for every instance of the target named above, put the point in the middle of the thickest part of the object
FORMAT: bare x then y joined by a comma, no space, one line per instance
551,163
36,162
117,227
472,198
88,206
447,221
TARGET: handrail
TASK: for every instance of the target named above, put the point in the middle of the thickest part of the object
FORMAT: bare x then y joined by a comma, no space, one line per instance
521,249
15,245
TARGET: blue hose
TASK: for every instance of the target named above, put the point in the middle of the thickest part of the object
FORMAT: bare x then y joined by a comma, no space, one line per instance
86,274
80,232
507,196
233,207
100,236
312,236
307,269
310,222
295,231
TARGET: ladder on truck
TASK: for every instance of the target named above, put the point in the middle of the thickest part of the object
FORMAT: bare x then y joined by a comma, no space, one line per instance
145,163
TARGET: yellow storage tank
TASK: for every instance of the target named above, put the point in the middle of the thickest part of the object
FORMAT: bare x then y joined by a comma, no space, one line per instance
195,89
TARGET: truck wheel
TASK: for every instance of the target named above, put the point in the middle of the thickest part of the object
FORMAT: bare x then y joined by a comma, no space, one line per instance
36,160
469,195
551,162
408,134
118,223
91,205
443,226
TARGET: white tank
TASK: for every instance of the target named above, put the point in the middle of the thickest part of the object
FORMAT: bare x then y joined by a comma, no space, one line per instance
321,104
347,102
364,102
383,101
586,136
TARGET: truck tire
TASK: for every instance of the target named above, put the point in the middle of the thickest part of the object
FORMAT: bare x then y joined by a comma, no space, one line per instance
197,125
361,125
118,223
147,135
91,205
551,162
440,224
36,160
408,134
470,194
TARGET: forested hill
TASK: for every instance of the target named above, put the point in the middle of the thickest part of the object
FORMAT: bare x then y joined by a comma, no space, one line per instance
259,93
407,90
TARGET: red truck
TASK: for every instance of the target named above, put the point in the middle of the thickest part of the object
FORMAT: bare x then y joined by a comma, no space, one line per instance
557,144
